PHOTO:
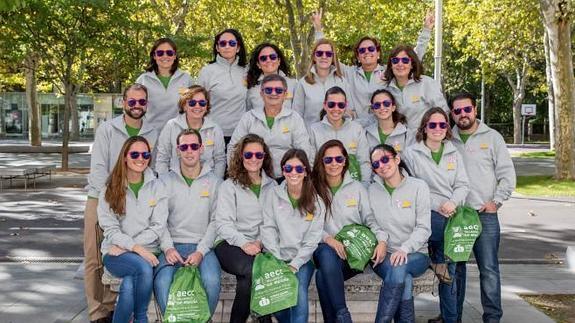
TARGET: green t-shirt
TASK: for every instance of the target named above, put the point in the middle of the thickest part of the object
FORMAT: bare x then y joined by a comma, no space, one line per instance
368,75
464,136
165,80
132,131
388,188
294,202
135,187
270,121
335,189
382,136
437,155
188,180
256,188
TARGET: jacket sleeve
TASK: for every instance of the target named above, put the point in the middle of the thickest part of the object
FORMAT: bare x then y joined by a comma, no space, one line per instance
209,237
204,78
99,162
422,229
504,171
434,96
298,102
301,137
242,129
158,220
219,153
422,43
269,230
368,218
461,184
110,224
164,150
311,239
364,159
166,241
226,216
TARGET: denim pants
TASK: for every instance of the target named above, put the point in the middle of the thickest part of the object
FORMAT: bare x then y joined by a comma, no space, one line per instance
209,271
416,265
331,273
447,292
485,251
300,312
136,289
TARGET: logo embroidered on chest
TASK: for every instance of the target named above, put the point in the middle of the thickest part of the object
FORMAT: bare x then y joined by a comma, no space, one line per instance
483,146
309,216
285,129
451,162
397,146
350,201
152,202
415,98
205,192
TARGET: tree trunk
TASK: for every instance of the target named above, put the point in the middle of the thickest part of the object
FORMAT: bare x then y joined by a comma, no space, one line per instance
557,21
73,108
518,87
550,97
34,132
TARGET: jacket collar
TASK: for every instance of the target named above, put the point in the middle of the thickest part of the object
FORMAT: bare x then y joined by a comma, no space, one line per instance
481,128
119,123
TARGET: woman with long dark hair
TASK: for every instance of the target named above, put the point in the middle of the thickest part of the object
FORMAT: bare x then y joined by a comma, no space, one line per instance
132,212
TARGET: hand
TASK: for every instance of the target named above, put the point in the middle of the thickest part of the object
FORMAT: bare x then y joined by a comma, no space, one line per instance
173,256
292,268
398,258
350,113
379,253
316,19
447,209
489,207
148,256
116,251
251,249
337,246
194,259
429,21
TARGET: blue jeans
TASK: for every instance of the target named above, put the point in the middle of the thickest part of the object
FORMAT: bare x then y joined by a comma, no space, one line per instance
486,251
447,292
209,271
331,273
300,312
136,289
416,265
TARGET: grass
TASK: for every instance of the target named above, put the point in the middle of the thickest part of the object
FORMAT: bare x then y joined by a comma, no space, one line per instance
560,308
536,154
544,186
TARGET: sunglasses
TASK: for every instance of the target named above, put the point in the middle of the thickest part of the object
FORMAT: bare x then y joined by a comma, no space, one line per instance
338,159
193,103
136,154
289,168
382,161
320,53
132,102
331,104
224,43
378,105
168,52
270,90
467,109
185,147
272,57
404,60
258,154
363,50
433,125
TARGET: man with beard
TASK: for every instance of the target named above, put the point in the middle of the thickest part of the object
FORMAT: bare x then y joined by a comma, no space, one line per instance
492,180
110,136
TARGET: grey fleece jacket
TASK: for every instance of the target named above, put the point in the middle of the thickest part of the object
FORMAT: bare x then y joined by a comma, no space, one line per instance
214,154
489,166
286,232
239,213
400,138
192,209
447,181
108,142
404,215
144,221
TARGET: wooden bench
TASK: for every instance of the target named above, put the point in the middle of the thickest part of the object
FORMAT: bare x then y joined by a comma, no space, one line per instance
27,172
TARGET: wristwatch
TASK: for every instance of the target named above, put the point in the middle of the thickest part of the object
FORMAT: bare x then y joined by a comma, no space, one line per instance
498,204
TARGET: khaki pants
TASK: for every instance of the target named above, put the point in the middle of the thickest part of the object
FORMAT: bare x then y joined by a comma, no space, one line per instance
101,300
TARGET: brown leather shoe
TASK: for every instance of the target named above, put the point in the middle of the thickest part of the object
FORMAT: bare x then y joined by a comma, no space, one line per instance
436,319
441,272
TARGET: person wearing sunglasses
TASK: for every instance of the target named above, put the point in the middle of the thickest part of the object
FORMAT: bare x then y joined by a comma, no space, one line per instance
323,73
280,126
132,212
190,236
292,227
225,79
107,146
435,160
390,126
400,204
267,59
163,78
365,75
194,107
414,92
335,125
239,215
492,180
346,201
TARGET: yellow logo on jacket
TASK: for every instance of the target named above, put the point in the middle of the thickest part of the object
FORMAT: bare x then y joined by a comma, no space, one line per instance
152,202
285,129
484,146
351,202
415,98
450,166
209,142
205,194
309,216
405,204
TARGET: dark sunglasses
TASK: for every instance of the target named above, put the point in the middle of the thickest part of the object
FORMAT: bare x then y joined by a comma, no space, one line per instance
136,154
331,104
264,58
192,103
289,168
433,125
338,159
132,102
270,90
224,43
383,160
185,147
467,109
404,60
320,53
249,155
363,50
168,52
378,105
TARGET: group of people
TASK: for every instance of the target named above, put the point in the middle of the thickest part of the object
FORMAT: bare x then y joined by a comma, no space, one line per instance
249,160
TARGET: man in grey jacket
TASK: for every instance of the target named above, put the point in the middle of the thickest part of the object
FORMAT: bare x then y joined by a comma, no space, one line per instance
110,136
492,180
